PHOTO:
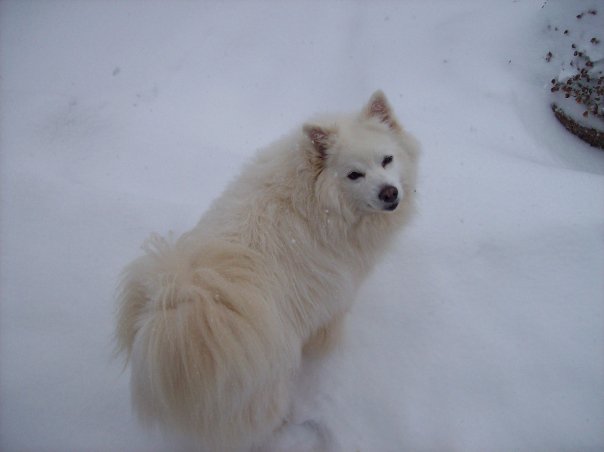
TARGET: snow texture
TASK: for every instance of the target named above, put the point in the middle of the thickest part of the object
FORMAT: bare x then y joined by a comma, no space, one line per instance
481,330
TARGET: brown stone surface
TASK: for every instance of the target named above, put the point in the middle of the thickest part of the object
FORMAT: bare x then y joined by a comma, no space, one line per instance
588,134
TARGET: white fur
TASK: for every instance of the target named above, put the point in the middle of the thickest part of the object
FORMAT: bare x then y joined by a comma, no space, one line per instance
215,322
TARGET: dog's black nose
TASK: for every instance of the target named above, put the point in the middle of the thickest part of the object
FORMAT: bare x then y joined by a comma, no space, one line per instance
388,194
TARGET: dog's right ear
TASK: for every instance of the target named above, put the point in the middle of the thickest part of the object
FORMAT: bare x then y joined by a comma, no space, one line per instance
320,139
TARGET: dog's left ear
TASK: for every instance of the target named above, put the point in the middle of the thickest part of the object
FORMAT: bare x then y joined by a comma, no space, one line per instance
379,108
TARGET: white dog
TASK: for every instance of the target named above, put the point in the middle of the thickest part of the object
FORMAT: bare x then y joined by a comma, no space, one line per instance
215,322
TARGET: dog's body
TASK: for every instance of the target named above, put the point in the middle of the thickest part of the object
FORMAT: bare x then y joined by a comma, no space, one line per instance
215,323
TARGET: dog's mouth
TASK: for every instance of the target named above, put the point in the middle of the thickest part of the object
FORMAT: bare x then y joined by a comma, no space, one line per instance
384,207
390,207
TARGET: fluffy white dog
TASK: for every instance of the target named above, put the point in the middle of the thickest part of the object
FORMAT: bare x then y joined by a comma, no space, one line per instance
214,323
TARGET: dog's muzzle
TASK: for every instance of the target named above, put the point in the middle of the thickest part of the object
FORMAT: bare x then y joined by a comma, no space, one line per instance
389,196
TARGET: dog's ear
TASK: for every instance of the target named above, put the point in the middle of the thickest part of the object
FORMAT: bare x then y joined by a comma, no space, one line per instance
320,138
379,108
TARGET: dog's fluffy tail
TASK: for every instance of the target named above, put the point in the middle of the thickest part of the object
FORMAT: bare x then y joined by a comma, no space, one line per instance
210,353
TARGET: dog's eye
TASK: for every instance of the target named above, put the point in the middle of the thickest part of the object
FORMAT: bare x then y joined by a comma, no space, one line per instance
354,175
386,161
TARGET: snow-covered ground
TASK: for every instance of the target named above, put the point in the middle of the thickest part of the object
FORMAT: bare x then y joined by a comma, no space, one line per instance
482,329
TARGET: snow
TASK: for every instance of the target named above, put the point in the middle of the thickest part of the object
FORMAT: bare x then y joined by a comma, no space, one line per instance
483,327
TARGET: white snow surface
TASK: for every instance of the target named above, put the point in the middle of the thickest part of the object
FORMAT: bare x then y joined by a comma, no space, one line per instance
481,330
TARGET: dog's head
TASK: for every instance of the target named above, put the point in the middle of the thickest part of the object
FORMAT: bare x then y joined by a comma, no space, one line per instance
364,163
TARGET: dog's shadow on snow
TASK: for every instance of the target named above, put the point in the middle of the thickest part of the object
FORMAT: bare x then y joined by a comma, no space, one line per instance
376,339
